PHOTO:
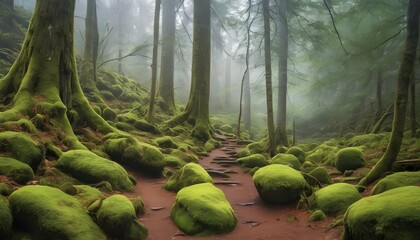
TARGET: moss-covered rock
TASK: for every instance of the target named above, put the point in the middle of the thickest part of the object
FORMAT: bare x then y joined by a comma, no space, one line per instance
321,174
109,114
257,147
90,168
335,198
395,180
202,209
211,144
49,213
394,214
16,170
188,175
5,190
350,158
251,161
117,217
322,154
243,153
87,195
6,219
173,161
279,184
126,127
297,152
286,159
145,126
165,142
148,160
21,147
317,215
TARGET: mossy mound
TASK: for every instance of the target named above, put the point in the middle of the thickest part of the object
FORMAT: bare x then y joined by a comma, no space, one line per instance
322,154
335,199
49,213
188,175
257,147
5,190
87,194
369,140
279,184
21,147
317,215
243,153
117,217
321,174
6,219
286,159
165,142
394,214
145,127
90,168
350,158
297,152
109,114
395,180
202,209
254,160
173,161
16,170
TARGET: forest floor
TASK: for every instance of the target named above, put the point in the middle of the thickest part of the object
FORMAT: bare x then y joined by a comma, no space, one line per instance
256,220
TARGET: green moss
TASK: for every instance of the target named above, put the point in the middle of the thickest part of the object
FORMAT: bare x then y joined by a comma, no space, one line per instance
202,209
107,95
394,214
321,174
87,195
24,124
395,180
145,127
188,175
251,161
257,147
21,147
165,142
280,184
16,170
335,199
138,205
286,159
51,214
127,117
117,217
90,168
369,140
350,158
6,218
109,114
173,161
184,156
211,144
281,149
97,110
297,152
243,153
148,160
5,190
226,128
124,126
322,154
317,215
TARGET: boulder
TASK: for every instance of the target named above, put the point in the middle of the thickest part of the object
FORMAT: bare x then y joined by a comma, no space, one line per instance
251,161
395,180
286,159
16,170
350,158
188,175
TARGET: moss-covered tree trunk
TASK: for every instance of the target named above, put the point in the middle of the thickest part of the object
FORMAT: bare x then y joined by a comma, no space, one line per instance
268,82
166,83
401,98
197,109
43,81
90,54
281,133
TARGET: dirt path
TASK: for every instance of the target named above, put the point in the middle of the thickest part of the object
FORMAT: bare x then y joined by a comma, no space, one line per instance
256,219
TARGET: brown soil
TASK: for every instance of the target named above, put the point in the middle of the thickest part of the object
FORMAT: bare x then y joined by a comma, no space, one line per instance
256,219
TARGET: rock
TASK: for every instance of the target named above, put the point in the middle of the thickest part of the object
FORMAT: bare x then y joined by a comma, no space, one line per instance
251,161
109,114
6,219
166,142
394,214
317,215
395,180
279,184
202,209
16,170
297,152
321,174
188,175
350,158
286,159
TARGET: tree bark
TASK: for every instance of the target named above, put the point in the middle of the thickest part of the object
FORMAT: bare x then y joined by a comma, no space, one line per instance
281,132
154,61
120,36
228,75
400,106
413,122
268,82
166,83
247,101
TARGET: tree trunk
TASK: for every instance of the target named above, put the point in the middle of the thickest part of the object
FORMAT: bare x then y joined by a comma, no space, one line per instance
228,74
120,36
268,83
378,94
413,122
197,109
166,84
281,132
247,101
401,98
154,61
90,54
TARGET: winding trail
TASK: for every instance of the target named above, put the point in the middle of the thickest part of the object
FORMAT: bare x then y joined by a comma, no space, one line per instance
256,219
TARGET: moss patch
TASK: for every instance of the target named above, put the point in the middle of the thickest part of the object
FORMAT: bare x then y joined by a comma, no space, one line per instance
350,158
254,160
395,180
49,213
286,159
394,214
6,218
165,142
202,209
280,184
16,170
321,174
317,215
188,175
90,168
297,152
87,194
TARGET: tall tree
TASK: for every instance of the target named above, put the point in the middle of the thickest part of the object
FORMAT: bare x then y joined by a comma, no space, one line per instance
120,35
166,83
401,98
197,109
154,60
281,132
90,54
268,75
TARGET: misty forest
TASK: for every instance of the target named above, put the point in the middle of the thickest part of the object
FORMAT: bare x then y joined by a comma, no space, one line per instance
209,119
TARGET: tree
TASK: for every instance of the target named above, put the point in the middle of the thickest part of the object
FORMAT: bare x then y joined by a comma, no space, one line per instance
281,133
166,82
400,106
90,54
154,60
268,82
197,109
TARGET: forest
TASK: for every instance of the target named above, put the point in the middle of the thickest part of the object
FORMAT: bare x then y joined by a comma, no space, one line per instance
209,119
